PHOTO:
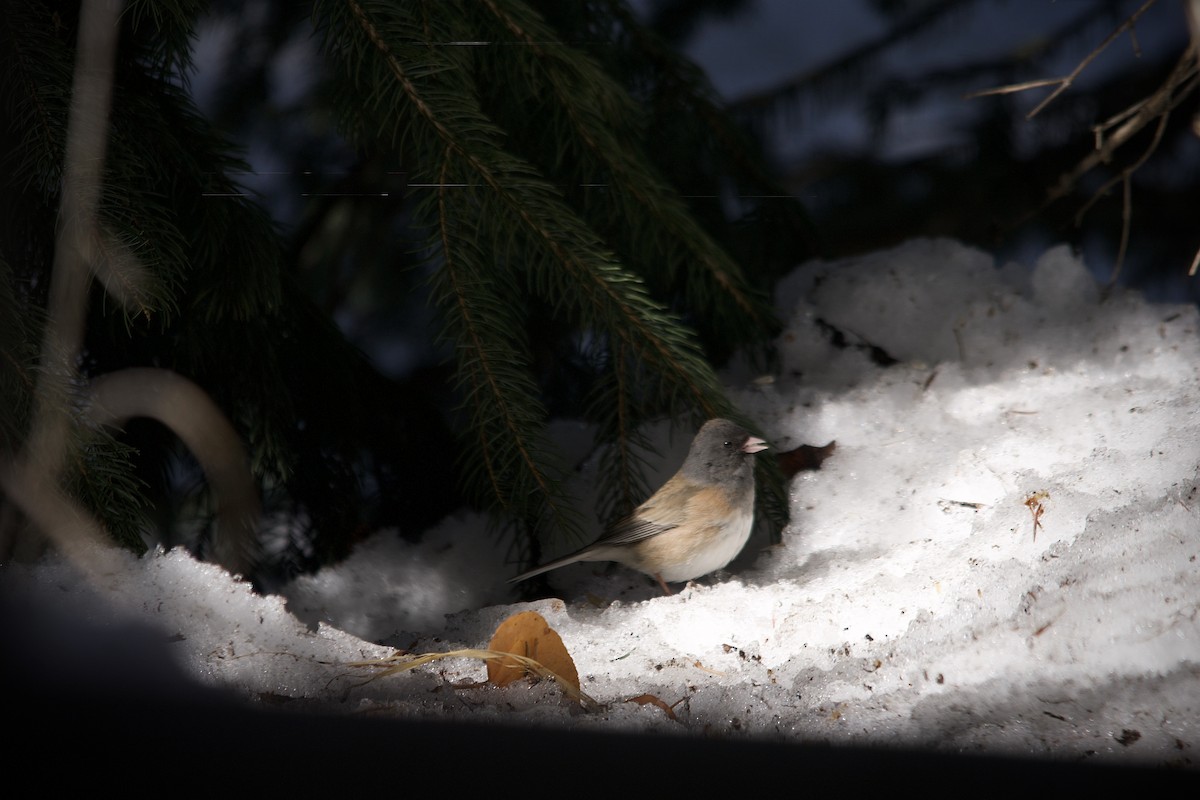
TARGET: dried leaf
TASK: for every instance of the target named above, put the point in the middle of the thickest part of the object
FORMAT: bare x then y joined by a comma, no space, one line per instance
804,457
527,634
400,662
643,699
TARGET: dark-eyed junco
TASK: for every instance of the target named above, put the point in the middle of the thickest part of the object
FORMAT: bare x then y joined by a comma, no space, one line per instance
696,523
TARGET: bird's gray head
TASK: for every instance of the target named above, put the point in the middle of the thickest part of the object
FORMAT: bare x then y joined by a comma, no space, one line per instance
721,451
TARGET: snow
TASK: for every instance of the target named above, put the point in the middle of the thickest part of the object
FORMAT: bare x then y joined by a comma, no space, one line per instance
911,603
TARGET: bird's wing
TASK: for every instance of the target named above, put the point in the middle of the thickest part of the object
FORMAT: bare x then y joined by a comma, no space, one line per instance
631,529
667,509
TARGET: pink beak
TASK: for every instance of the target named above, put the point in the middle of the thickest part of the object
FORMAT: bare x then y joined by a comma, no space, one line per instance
753,445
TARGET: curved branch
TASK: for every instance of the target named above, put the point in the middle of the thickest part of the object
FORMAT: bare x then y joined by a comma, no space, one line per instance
191,415
65,522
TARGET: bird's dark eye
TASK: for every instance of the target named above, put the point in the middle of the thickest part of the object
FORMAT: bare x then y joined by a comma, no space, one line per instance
729,444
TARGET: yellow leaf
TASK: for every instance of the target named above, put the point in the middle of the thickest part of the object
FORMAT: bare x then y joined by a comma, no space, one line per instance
527,634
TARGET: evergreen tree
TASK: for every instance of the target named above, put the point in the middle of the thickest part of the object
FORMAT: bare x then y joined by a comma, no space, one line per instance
575,268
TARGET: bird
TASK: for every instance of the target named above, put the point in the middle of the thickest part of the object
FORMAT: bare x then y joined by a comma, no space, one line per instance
696,523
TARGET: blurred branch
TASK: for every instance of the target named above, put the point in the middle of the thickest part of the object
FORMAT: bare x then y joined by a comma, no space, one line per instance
31,480
72,529
191,415
87,141
83,248
928,14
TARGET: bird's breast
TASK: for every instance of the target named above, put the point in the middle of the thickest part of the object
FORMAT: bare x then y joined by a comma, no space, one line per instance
695,549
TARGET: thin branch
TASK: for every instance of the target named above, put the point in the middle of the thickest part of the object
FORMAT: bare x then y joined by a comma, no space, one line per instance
676,218
1126,221
1067,81
1103,190
1125,178
1013,88
1183,80
1112,37
1181,83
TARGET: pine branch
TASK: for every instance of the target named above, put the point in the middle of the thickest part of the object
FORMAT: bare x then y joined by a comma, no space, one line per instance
100,474
616,408
422,94
601,289
20,327
712,277
167,27
708,155
687,82
507,418
38,67
557,301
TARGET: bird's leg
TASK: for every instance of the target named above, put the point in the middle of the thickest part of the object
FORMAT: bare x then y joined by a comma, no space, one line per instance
666,590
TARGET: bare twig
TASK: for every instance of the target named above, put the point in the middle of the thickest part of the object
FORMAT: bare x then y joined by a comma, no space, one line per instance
1037,508
1181,83
1012,88
1117,130
1126,220
1067,81
1125,178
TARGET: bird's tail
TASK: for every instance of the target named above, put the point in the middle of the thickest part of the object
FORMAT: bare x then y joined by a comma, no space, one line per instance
578,555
